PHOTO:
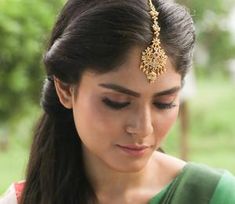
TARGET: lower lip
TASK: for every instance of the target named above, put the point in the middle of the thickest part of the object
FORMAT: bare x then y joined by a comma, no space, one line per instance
133,152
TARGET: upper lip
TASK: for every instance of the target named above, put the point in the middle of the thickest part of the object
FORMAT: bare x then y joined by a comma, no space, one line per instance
134,147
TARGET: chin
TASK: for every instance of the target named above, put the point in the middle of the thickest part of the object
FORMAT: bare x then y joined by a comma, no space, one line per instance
131,167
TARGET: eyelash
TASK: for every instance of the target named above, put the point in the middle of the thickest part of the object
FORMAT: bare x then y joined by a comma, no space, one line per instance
163,106
117,106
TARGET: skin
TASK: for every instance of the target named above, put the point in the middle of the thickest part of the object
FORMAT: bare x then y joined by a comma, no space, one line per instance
117,174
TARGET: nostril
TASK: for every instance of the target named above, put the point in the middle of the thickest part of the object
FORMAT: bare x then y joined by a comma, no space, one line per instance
143,129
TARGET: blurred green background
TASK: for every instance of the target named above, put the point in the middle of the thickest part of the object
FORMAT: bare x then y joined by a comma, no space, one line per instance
24,30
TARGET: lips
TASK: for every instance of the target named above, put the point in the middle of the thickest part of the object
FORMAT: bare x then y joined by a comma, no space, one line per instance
133,150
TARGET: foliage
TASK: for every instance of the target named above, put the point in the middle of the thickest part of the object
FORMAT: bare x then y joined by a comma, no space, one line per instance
213,34
24,28
211,125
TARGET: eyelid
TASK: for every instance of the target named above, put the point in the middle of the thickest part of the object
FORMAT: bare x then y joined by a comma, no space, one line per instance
168,95
166,102
166,99
115,101
117,97
115,105
163,106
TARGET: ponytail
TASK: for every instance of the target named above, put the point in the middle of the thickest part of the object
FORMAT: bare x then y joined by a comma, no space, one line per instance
56,172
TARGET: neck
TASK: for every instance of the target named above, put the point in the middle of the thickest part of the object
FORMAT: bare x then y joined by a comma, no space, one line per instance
106,179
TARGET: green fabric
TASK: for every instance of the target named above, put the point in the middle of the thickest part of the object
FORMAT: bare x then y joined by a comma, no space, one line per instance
196,184
225,191
156,199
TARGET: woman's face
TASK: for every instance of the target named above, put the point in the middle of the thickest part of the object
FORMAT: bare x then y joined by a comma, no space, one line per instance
121,118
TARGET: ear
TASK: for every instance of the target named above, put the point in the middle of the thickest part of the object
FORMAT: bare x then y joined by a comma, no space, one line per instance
64,92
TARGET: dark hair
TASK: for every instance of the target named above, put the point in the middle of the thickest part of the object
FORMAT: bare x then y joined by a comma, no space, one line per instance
95,35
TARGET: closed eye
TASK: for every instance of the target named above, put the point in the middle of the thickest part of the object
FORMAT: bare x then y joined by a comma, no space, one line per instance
115,105
163,106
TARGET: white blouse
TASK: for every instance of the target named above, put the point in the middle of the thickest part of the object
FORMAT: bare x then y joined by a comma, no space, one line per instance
9,197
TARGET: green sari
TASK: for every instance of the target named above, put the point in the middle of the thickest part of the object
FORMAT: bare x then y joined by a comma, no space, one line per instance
198,184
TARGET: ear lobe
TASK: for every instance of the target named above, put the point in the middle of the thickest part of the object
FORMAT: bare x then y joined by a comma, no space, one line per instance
64,92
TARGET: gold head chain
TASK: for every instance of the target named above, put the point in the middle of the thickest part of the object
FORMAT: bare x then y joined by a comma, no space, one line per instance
153,59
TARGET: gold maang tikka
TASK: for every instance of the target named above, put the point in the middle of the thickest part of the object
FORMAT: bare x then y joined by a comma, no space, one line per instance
153,59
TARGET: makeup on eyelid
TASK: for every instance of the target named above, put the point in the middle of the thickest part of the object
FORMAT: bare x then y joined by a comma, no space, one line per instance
119,105
166,99
114,104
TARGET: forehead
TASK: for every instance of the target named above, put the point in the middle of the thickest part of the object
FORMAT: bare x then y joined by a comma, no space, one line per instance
130,76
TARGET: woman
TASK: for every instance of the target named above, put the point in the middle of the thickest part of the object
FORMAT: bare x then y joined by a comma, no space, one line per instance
114,72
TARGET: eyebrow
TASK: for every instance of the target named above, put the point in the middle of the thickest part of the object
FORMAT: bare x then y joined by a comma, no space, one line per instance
126,91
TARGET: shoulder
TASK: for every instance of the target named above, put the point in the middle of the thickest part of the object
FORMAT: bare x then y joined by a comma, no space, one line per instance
13,194
167,168
225,190
198,183
209,185
170,165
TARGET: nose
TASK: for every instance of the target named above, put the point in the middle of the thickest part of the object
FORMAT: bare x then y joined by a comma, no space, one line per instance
141,123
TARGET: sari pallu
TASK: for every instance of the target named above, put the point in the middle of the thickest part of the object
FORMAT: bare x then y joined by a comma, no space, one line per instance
199,184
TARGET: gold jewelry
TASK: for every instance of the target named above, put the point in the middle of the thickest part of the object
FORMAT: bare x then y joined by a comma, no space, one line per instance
153,59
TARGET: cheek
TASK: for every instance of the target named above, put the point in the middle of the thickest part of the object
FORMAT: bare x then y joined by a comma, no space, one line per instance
93,119
165,122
